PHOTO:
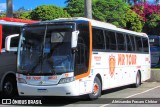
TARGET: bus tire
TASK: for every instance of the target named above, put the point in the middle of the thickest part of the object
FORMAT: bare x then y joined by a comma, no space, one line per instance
138,80
9,88
97,88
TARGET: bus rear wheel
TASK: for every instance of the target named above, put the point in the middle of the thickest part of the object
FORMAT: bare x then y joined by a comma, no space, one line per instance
97,88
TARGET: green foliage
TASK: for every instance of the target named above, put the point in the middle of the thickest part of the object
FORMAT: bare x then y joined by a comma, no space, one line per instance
132,21
75,8
112,11
2,15
48,12
25,15
22,13
152,26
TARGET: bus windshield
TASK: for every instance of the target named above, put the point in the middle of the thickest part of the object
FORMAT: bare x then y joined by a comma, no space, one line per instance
45,50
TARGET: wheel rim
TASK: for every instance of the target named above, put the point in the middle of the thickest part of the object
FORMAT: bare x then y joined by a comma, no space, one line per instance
95,89
8,87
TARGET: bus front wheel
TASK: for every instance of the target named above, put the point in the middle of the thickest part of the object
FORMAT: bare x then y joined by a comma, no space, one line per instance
97,88
9,87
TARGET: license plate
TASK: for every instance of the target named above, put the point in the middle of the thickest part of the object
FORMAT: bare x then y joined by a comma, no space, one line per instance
42,90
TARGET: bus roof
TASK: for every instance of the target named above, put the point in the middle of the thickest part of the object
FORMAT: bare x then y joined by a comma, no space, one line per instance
94,23
2,22
15,21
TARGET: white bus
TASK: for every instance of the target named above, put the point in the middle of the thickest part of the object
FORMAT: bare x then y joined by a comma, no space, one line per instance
78,56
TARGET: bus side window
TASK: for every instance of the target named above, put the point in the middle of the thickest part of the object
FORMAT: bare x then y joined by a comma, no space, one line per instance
133,42
121,42
98,39
107,40
145,45
129,43
139,44
112,40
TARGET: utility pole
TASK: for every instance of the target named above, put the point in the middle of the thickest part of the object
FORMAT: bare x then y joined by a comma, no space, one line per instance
88,8
9,8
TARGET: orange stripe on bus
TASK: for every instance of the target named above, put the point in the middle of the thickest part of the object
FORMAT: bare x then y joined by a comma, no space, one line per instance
90,56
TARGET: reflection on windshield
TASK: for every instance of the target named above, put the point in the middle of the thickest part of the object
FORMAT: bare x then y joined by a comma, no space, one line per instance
45,52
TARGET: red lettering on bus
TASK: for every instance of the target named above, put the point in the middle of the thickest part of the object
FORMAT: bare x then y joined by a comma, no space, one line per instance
52,77
127,59
28,77
36,78
146,59
97,58
121,59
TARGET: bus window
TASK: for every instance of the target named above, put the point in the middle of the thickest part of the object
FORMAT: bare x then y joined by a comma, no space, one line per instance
133,42
98,39
138,44
107,40
129,43
121,41
145,45
82,55
110,40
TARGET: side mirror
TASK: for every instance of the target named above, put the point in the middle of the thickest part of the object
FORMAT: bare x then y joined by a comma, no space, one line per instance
8,42
74,39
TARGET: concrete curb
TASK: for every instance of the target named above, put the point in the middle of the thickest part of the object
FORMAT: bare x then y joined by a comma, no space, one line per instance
155,76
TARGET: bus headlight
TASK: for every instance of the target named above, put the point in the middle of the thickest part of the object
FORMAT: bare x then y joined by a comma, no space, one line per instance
21,80
66,80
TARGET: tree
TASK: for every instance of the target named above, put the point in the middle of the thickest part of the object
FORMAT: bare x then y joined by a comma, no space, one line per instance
145,10
19,12
150,14
75,8
109,10
152,26
48,12
88,8
117,13
133,21
112,11
25,15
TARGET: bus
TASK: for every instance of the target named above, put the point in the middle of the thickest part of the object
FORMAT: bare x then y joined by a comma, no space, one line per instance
155,50
79,56
9,33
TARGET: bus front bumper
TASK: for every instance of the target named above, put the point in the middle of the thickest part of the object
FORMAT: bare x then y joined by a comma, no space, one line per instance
66,89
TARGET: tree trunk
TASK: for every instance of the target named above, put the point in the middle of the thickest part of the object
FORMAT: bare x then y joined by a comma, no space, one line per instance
9,8
88,8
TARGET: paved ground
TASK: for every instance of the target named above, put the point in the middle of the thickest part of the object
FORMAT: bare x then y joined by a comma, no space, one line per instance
147,92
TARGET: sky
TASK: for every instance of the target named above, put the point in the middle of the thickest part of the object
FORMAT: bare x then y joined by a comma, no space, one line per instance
32,4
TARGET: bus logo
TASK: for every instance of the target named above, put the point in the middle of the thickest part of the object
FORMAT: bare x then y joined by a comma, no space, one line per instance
112,62
42,82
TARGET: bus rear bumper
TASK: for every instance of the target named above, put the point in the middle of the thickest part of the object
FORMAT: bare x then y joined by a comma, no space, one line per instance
67,89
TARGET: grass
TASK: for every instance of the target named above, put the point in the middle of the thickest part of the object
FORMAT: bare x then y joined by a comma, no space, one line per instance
155,68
